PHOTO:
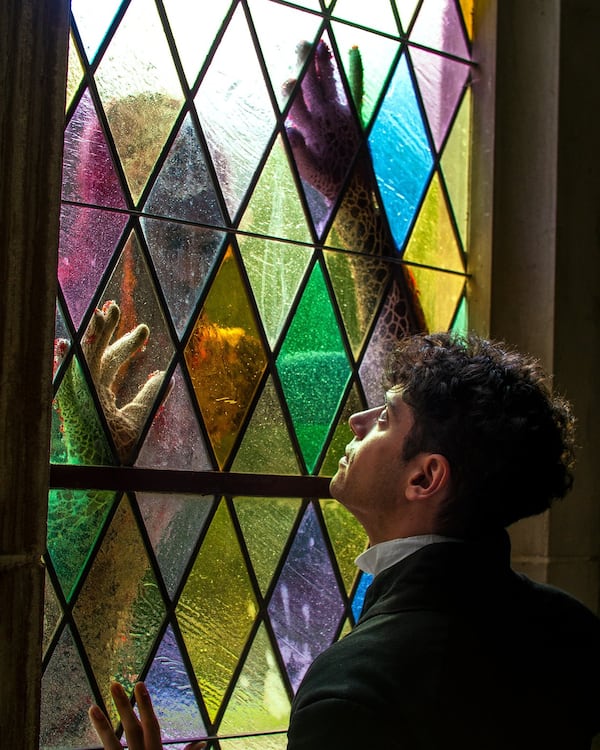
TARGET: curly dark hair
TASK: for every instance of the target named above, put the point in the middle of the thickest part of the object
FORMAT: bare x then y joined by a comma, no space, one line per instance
489,410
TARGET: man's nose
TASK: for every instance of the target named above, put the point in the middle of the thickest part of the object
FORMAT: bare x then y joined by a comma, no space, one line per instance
360,422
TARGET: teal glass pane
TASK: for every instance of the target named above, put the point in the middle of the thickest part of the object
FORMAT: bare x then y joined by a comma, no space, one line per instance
74,519
401,153
313,367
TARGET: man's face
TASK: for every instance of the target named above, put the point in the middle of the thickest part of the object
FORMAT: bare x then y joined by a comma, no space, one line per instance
372,473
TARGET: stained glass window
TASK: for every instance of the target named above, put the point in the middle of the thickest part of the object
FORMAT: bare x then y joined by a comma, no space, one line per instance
258,198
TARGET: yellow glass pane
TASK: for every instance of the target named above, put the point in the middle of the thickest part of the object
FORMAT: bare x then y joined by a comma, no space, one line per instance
440,294
118,638
259,702
467,11
225,357
266,524
347,536
267,447
456,166
75,71
217,609
342,435
433,241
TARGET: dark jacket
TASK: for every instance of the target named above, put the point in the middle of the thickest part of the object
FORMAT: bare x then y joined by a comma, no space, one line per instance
454,650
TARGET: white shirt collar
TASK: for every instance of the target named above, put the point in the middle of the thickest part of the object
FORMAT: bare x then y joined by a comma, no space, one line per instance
385,554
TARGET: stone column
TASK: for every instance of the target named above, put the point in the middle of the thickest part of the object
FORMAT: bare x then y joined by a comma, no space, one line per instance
33,56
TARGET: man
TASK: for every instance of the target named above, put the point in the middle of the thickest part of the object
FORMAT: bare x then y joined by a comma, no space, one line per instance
453,649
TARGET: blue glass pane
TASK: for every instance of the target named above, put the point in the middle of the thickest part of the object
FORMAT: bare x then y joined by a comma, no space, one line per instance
359,595
401,153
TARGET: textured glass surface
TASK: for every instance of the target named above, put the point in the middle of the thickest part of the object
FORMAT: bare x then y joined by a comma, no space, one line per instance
225,357
274,273
313,367
75,518
217,609
266,446
235,110
347,537
266,524
174,440
456,165
65,722
174,525
402,172
259,702
117,638
306,607
433,240
172,694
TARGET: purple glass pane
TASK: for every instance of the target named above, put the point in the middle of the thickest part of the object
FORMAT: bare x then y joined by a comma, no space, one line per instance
174,440
88,172
441,81
439,26
323,133
392,325
88,237
172,695
306,607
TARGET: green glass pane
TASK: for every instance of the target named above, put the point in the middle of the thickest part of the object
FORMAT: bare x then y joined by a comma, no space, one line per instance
377,54
118,638
259,702
174,524
347,537
461,321
359,283
77,436
266,447
456,166
217,609
140,91
440,294
342,434
52,612
275,209
225,357
64,723
433,241
313,367
275,271
75,518
266,525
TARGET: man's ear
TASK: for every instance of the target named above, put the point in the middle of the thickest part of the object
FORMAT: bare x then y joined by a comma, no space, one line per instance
429,478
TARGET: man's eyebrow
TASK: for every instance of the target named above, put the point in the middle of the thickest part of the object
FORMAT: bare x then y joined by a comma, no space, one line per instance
390,402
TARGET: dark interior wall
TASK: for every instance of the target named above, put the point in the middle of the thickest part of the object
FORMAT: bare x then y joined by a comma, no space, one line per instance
545,258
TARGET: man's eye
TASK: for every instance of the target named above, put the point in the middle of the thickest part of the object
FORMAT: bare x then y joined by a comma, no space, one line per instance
383,415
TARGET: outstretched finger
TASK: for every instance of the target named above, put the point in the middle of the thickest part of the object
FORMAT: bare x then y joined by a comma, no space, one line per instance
150,725
104,729
131,724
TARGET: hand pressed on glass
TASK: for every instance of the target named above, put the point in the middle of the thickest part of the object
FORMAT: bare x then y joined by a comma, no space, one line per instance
140,734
